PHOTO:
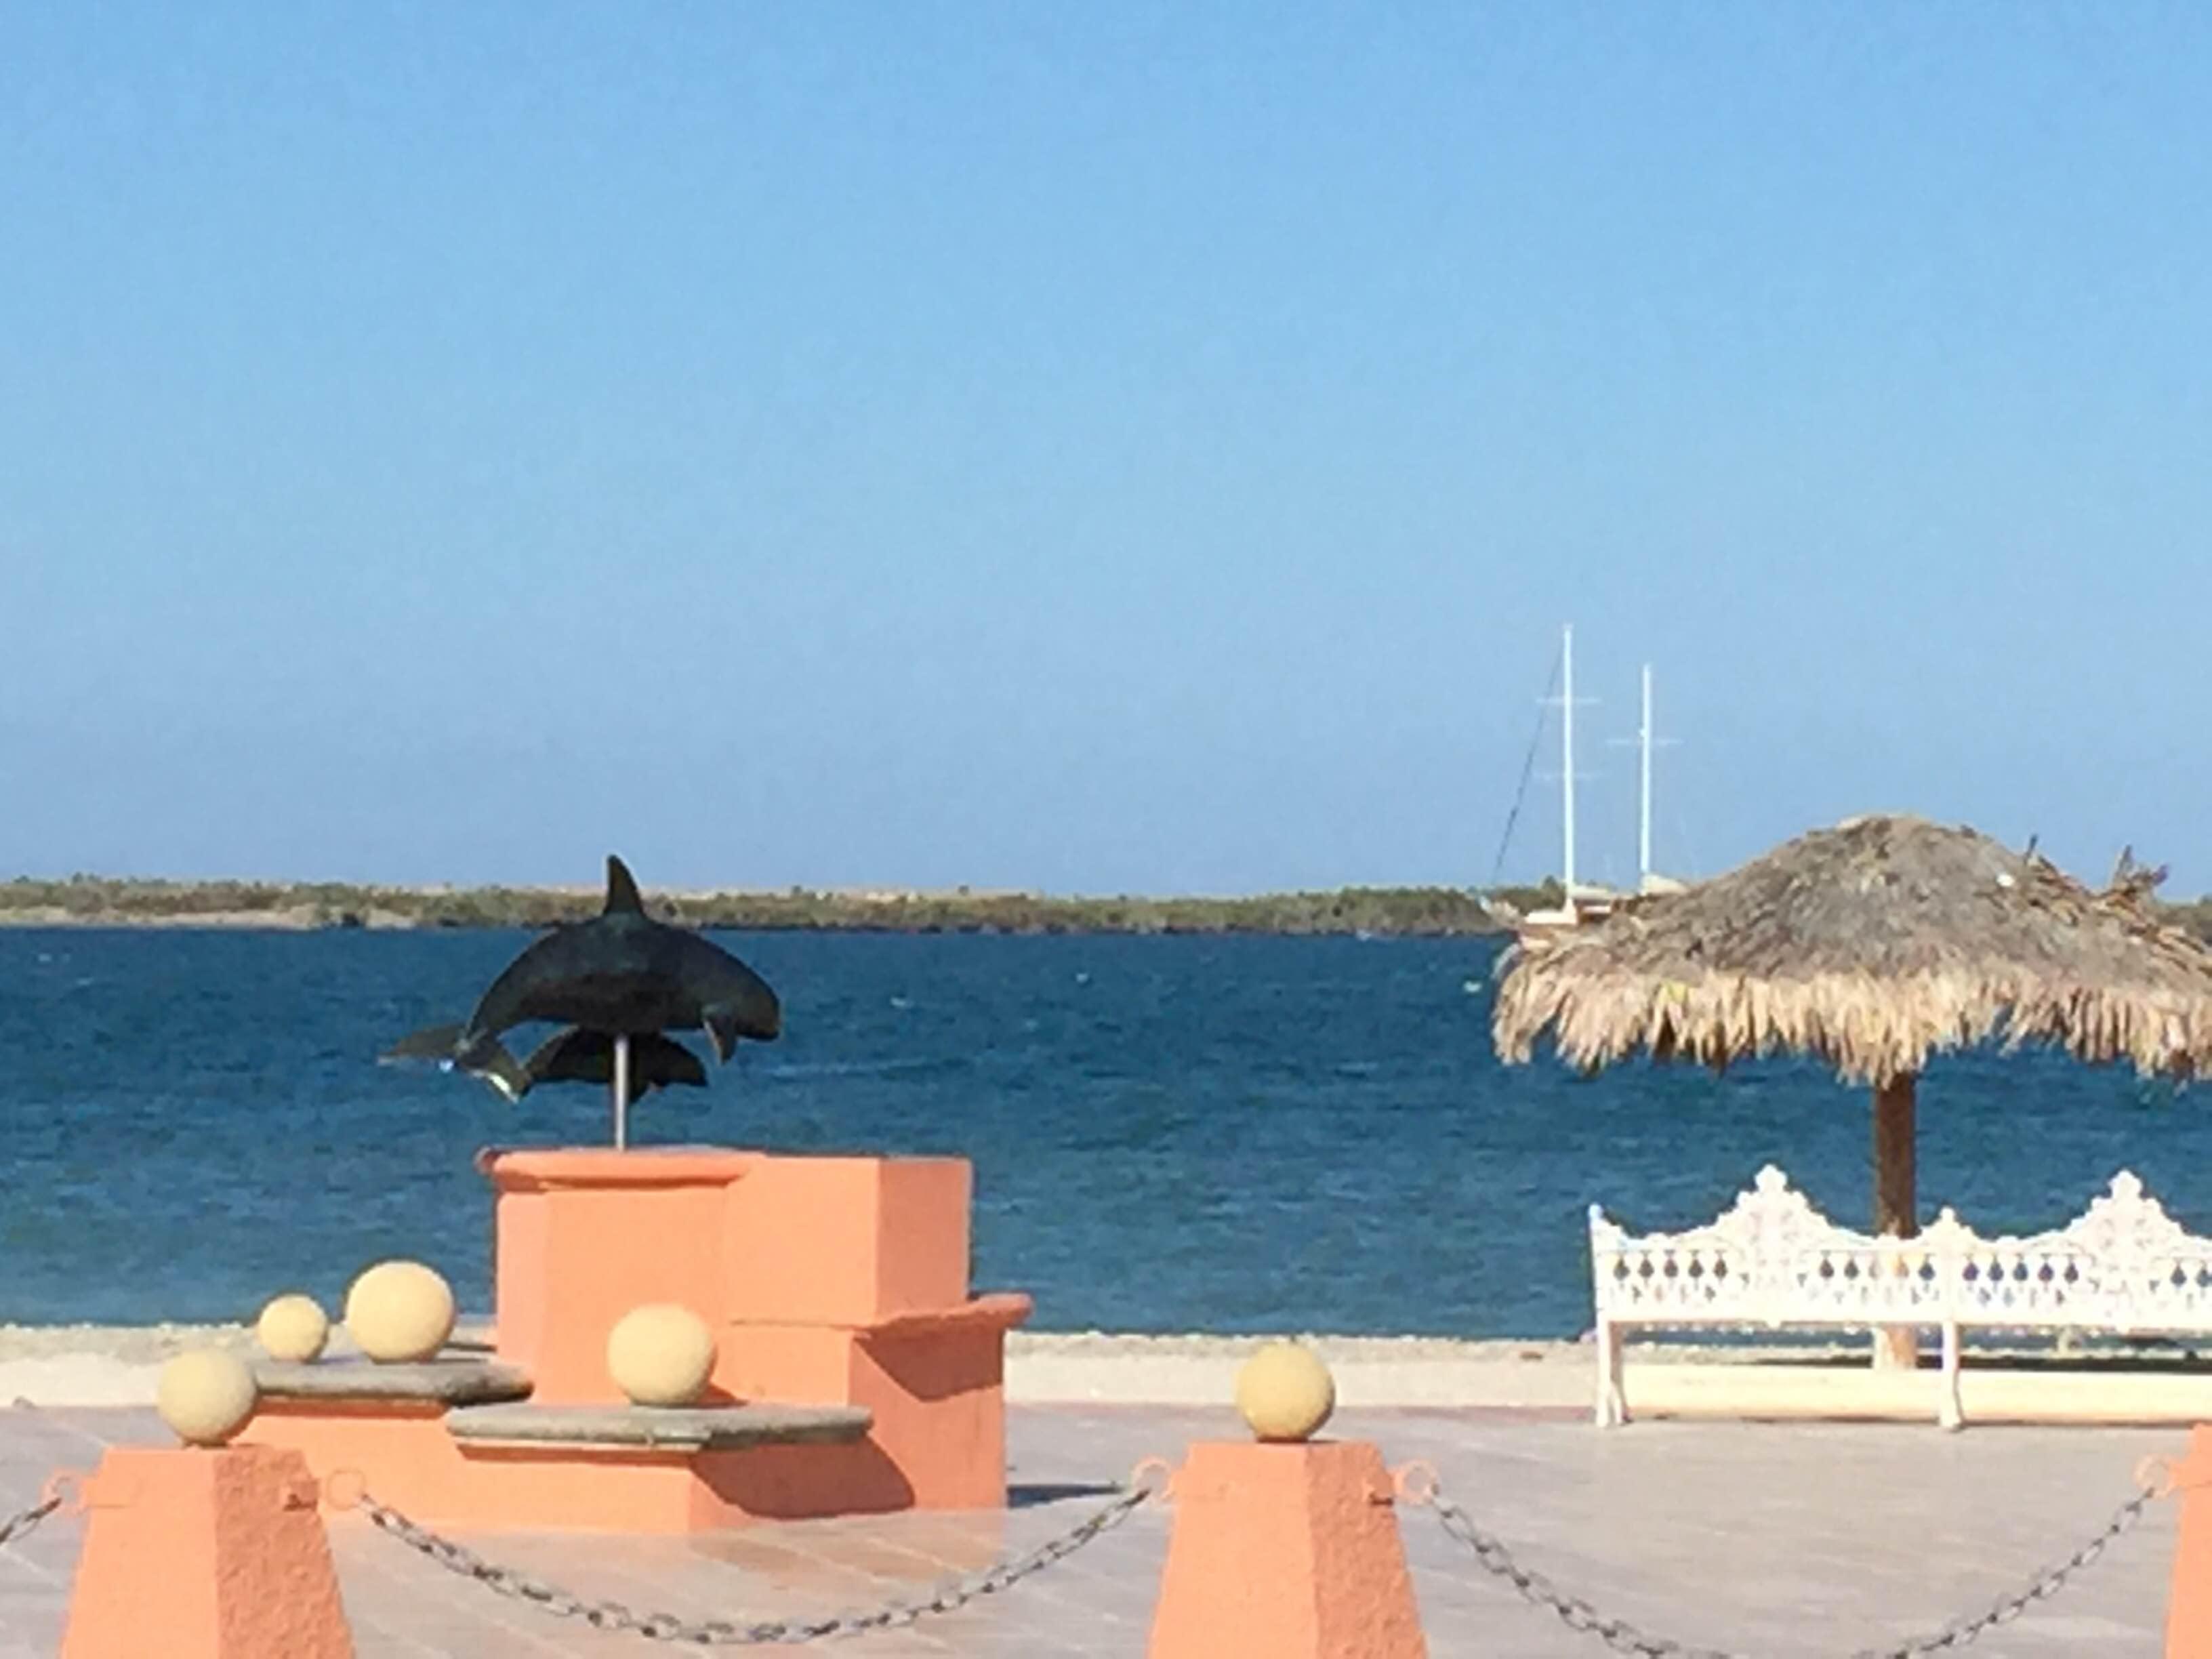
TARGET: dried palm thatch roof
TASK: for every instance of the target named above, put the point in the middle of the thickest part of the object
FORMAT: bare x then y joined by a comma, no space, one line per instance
1872,945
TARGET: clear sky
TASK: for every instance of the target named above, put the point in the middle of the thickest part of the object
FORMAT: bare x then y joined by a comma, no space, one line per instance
1117,447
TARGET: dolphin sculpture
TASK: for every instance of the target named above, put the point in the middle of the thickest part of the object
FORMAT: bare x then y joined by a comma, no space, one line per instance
620,974
574,1055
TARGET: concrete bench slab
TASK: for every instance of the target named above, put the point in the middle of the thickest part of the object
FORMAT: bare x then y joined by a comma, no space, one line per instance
446,1381
694,1428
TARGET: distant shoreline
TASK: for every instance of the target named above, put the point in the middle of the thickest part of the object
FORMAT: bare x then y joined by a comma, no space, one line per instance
307,907
112,901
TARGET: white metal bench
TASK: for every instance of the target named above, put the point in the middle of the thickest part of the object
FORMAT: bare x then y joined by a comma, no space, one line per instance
1773,1262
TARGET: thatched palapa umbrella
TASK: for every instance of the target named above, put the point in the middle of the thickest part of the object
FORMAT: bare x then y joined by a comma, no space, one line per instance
1871,946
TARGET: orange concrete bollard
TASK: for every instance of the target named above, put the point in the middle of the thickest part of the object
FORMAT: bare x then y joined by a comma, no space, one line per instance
204,1554
2189,1610
1290,1551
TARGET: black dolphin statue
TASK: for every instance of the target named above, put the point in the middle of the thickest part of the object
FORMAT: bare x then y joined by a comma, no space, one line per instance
621,973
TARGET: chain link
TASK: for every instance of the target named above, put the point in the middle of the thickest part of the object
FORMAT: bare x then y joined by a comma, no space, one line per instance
723,1632
1622,1636
23,1525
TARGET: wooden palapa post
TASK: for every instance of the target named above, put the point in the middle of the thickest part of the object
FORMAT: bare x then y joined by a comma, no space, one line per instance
1896,1203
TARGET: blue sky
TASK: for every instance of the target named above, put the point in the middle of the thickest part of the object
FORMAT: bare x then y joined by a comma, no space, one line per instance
1135,448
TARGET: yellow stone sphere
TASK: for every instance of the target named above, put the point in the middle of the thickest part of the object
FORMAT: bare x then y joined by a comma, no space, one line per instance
205,1396
400,1311
1284,1392
661,1355
293,1328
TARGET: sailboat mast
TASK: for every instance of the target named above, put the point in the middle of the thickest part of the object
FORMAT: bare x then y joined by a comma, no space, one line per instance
1644,814
1567,745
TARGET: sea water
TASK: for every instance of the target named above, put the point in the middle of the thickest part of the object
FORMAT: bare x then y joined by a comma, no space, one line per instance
1177,1134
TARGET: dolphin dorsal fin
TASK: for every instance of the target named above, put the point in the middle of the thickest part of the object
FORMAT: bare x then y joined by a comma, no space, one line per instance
621,889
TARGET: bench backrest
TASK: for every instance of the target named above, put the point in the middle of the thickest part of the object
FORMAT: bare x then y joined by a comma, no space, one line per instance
1773,1260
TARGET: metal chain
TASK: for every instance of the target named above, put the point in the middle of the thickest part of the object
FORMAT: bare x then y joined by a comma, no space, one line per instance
2045,1585
1534,1586
23,1525
723,1632
1622,1636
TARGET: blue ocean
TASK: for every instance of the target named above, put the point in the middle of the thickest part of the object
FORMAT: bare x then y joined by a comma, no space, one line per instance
1174,1134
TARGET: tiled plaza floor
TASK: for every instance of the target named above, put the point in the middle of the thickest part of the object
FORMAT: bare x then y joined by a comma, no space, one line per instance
1759,1538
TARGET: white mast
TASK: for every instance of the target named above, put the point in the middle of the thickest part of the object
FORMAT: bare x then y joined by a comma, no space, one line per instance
1646,739
1567,745
1643,815
1565,914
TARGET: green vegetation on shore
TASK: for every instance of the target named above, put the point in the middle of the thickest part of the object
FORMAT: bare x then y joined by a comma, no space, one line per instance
97,900
1406,912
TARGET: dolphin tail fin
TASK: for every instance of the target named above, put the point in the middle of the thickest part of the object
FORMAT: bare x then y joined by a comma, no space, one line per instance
431,1042
488,1059
621,889
501,1071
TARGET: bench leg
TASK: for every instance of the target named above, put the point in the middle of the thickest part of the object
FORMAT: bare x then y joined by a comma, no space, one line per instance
1611,1400
1950,1411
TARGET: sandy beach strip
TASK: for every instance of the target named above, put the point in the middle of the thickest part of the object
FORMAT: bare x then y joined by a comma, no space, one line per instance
117,1365
60,1366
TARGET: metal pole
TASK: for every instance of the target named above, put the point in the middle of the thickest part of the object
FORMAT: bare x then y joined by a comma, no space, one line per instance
618,1084
1567,743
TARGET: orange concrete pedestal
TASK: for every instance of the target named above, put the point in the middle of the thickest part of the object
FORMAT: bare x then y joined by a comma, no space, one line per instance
826,1281
833,1281
195,1554
2189,1610
1291,1551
